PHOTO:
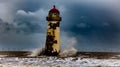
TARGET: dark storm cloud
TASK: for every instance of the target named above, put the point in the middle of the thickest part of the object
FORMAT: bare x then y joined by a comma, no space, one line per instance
93,26
21,37
5,27
21,24
27,22
31,5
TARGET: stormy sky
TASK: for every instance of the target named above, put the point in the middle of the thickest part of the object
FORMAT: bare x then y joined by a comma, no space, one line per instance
87,25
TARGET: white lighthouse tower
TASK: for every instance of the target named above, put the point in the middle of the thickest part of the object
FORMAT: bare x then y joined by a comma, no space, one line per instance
52,46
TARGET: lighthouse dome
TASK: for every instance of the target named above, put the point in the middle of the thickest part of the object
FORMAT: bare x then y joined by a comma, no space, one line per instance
54,15
54,10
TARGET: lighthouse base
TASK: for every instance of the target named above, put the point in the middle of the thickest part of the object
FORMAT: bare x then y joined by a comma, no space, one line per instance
50,53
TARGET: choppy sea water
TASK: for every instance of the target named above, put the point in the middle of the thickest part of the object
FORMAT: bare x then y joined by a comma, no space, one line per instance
56,62
67,58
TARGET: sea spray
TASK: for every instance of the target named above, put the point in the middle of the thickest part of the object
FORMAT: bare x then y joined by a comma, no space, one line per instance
67,48
68,52
37,52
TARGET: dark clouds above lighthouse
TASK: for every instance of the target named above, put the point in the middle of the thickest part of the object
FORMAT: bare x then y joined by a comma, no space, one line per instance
86,25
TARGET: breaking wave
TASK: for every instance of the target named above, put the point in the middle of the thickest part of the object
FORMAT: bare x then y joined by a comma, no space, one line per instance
63,53
37,52
67,49
68,52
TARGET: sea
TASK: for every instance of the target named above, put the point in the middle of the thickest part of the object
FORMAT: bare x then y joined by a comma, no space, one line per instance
70,58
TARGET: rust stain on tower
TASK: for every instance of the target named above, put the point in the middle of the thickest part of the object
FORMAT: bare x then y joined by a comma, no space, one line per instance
52,46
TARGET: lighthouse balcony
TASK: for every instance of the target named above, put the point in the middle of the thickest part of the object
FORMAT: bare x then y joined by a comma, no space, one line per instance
53,18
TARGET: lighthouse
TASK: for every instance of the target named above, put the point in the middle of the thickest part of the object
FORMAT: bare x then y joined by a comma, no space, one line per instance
52,45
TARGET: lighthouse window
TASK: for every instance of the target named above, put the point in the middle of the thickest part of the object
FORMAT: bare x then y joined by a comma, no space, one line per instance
54,15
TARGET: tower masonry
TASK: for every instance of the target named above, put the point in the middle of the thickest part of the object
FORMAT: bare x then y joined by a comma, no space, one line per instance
52,46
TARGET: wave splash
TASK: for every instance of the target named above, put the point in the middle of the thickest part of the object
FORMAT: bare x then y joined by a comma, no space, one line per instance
63,53
66,51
